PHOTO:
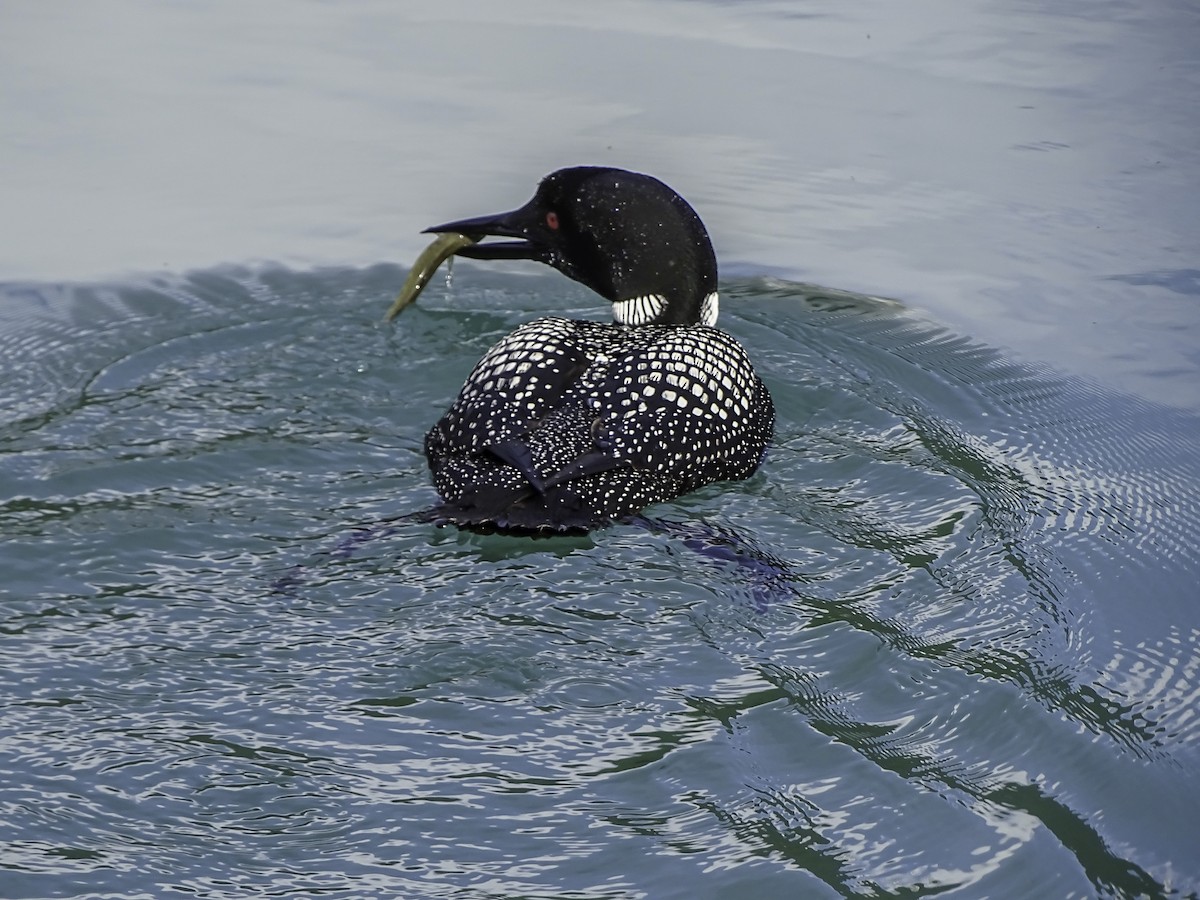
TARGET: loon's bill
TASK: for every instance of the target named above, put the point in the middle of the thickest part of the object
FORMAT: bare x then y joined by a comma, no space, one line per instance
567,425
463,237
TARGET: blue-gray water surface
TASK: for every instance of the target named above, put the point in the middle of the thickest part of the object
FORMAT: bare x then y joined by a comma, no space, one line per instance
945,642
943,639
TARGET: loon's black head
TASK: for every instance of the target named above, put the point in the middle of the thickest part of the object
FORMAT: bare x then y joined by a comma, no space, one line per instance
627,236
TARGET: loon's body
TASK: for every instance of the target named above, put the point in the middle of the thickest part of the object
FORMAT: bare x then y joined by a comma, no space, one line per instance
568,425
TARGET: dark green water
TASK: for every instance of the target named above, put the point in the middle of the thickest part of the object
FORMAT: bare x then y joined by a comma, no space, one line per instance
944,642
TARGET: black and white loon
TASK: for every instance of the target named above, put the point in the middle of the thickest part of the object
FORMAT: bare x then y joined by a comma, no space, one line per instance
564,425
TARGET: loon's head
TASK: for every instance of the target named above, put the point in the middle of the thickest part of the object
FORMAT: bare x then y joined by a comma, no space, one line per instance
627,236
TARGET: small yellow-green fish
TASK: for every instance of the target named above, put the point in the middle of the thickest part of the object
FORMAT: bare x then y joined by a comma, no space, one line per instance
443,247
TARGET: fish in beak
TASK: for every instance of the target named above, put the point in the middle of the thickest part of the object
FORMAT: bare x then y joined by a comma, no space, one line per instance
533,231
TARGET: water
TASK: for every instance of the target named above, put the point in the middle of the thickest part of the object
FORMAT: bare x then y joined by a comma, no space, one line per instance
943,643
941,640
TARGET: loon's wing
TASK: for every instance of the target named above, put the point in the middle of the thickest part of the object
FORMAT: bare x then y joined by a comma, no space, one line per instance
520,433
520,380
689,408
519,454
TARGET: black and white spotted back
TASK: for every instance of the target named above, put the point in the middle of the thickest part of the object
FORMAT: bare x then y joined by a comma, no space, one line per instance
656,410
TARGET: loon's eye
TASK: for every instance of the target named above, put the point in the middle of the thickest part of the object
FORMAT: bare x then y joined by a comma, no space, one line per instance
552,220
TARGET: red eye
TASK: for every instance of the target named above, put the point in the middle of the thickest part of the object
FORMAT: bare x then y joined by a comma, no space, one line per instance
552,220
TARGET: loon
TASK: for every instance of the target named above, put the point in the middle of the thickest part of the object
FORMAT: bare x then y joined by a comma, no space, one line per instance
567,425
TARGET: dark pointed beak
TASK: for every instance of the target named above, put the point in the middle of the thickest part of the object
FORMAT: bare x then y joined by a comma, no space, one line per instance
518,223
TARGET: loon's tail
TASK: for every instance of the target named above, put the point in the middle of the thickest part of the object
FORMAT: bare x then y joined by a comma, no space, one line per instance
487,509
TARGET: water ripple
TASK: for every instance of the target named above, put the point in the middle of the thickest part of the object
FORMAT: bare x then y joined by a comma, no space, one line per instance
900,660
